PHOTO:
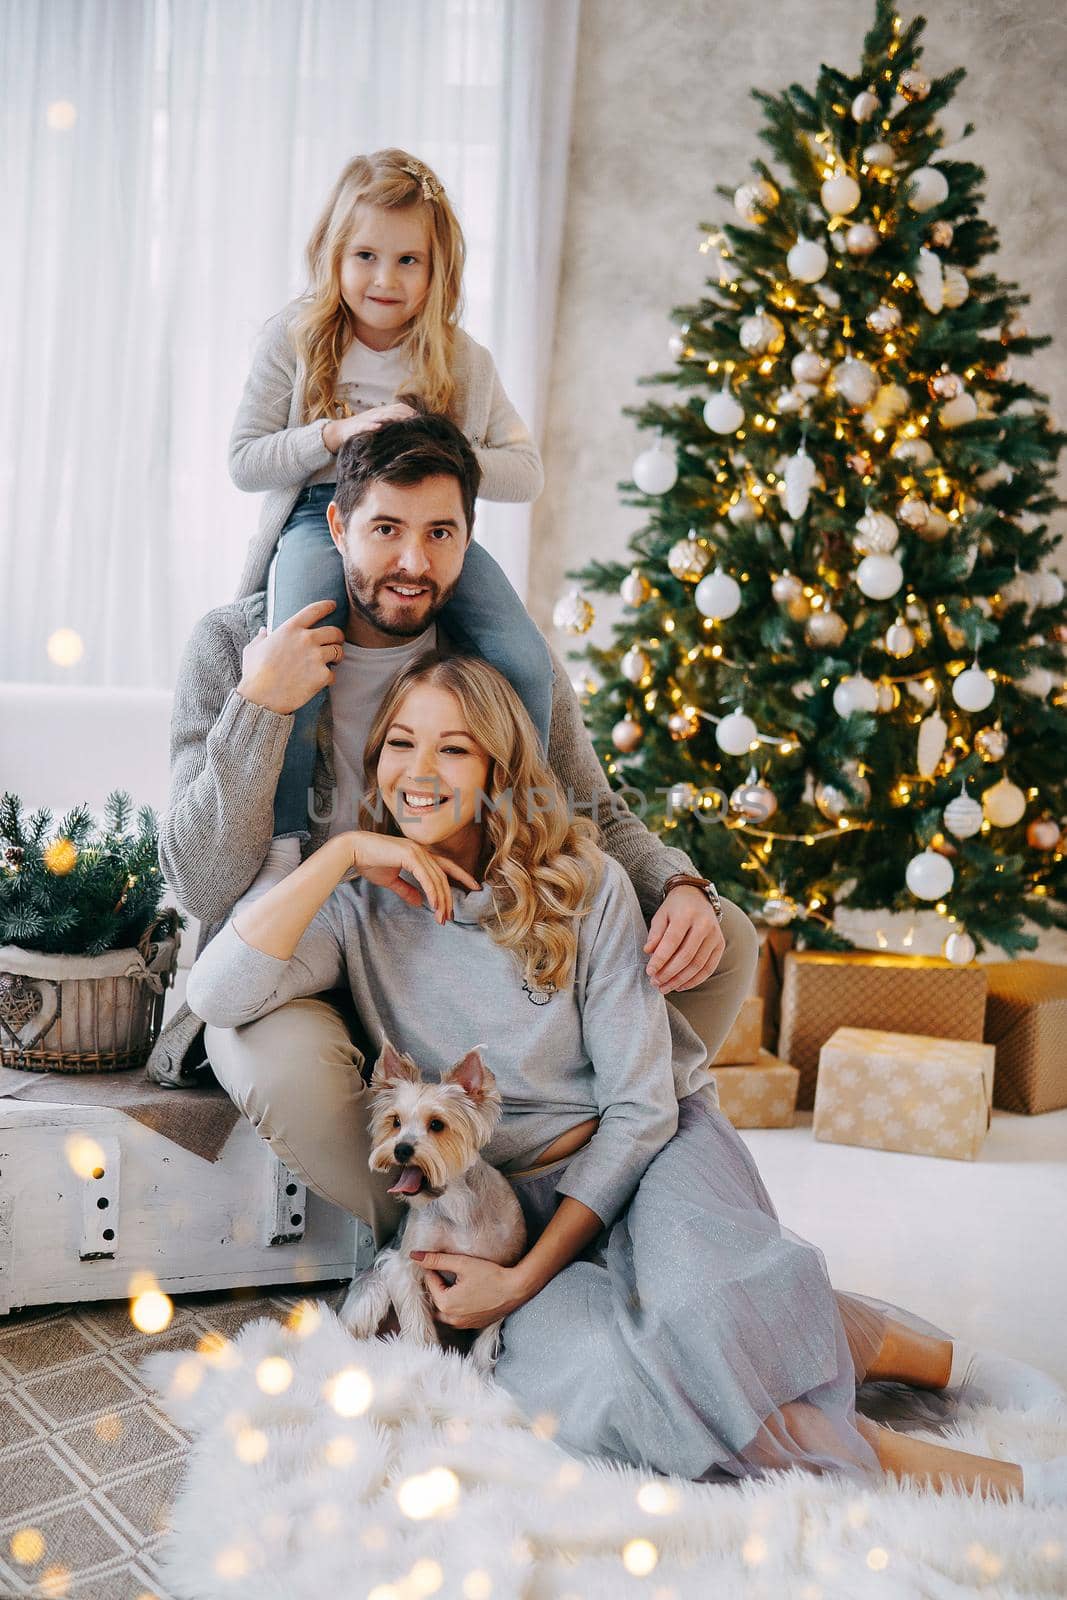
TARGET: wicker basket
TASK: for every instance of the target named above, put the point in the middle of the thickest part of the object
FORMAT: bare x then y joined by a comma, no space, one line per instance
62,1013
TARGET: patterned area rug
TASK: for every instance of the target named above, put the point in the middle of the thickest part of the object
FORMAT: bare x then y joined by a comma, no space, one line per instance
89,1461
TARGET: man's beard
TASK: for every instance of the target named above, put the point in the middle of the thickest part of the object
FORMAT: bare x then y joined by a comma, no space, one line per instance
363,594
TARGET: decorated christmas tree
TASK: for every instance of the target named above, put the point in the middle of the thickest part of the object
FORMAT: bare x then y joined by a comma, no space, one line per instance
837,680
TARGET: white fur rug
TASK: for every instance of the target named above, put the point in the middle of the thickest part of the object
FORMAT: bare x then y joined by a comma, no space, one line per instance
369,1470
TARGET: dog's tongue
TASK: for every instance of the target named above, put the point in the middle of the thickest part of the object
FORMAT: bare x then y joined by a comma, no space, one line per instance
410,1181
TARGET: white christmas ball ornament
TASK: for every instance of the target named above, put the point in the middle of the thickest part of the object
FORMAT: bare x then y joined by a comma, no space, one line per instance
972,690
1038,682
1004,804
635,664
959,948
1050,590
865,106
879,577
963,816
954,413
862,239
723,414
655,472
840,194
929,876
855,381
718,595
808,366
807,261
929,187
880,154
876,534
753,201
855,694
735,733
955,287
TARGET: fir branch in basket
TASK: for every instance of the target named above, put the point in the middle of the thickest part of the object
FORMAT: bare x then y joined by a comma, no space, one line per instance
84,887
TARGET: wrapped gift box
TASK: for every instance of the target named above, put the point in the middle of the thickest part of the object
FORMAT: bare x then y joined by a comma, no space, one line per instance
904,1091
742,1043
1026,1019
760,1096
774,945
823,990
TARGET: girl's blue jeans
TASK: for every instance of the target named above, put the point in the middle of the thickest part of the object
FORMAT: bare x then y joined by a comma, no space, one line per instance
485,616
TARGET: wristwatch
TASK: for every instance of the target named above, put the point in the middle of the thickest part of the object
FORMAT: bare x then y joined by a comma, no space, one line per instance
690,880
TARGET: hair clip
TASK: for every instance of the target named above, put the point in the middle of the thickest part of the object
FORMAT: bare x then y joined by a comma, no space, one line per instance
431,189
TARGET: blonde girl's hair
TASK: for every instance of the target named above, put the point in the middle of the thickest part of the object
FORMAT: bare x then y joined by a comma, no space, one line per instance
545,866
321,330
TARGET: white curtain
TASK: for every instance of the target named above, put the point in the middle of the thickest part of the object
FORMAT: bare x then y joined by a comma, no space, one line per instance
161,163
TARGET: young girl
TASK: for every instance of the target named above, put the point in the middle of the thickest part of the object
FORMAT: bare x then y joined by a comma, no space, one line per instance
661,1313
378,323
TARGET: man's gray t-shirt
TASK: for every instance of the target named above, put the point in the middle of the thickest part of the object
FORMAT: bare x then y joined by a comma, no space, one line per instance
360,684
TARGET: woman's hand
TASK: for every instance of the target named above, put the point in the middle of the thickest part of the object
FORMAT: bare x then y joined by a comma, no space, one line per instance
336,432
382,857
483,1291
685,942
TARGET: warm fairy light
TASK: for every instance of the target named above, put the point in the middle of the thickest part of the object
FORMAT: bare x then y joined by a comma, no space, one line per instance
941,908
657,1499
251,1446
668,626
425,1577
274,1375
350,1392
27,1546
754,1550
877,1559
231,1563
477,1585
84,1156
65,647
428,1494
304,1319
640,1557
61,116
151,1311
890,348
713,366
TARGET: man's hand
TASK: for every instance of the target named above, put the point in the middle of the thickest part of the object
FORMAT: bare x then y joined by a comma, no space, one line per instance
481,1292
685,941
284,669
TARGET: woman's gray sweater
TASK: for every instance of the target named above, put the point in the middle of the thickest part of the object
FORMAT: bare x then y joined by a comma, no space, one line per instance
610,1046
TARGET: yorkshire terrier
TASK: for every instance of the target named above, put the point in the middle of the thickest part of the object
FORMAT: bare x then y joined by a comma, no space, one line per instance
457,1202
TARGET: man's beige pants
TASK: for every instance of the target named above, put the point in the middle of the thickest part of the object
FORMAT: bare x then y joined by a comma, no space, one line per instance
297,1074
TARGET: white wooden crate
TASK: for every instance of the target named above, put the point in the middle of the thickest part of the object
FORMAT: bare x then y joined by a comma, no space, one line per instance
148,1205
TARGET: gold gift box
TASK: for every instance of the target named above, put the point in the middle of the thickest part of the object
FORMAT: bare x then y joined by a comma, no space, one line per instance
904,1091
1026,1019
742,1043
824,990
760,1096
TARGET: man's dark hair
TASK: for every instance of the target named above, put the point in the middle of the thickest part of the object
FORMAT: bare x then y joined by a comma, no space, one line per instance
405,452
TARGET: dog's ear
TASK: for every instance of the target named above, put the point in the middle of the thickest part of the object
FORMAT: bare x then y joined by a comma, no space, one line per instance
392,1067
471,1074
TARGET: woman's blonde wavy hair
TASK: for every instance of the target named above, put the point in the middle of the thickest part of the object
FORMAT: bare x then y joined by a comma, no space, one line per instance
545,866
323,328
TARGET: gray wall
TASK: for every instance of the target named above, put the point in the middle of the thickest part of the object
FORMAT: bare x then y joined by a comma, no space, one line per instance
663,113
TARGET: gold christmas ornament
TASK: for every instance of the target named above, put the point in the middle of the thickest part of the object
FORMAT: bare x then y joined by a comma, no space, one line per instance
755,201
573,613
761,334
756,802
627,734
799,608
884,318
860,464
1043,834
635,665
941,234
60,857
778,911
825,629
913,85
991,744
635,588
862,239
689,560
935,527
683,724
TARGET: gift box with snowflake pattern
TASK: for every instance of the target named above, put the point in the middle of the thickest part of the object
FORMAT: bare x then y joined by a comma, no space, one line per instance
763,1095
904,1091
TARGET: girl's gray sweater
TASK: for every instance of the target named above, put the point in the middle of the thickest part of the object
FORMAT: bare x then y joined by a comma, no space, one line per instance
274,447
610,1046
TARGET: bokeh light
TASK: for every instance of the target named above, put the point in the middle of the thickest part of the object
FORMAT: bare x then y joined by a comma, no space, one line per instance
61,116
65,647
304,1319
877,1559
27,1546
84,1156
640,1557
428,1494
754,1550
350,1392
251,1445
152,1311
657,1499
274,1375
477,1585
